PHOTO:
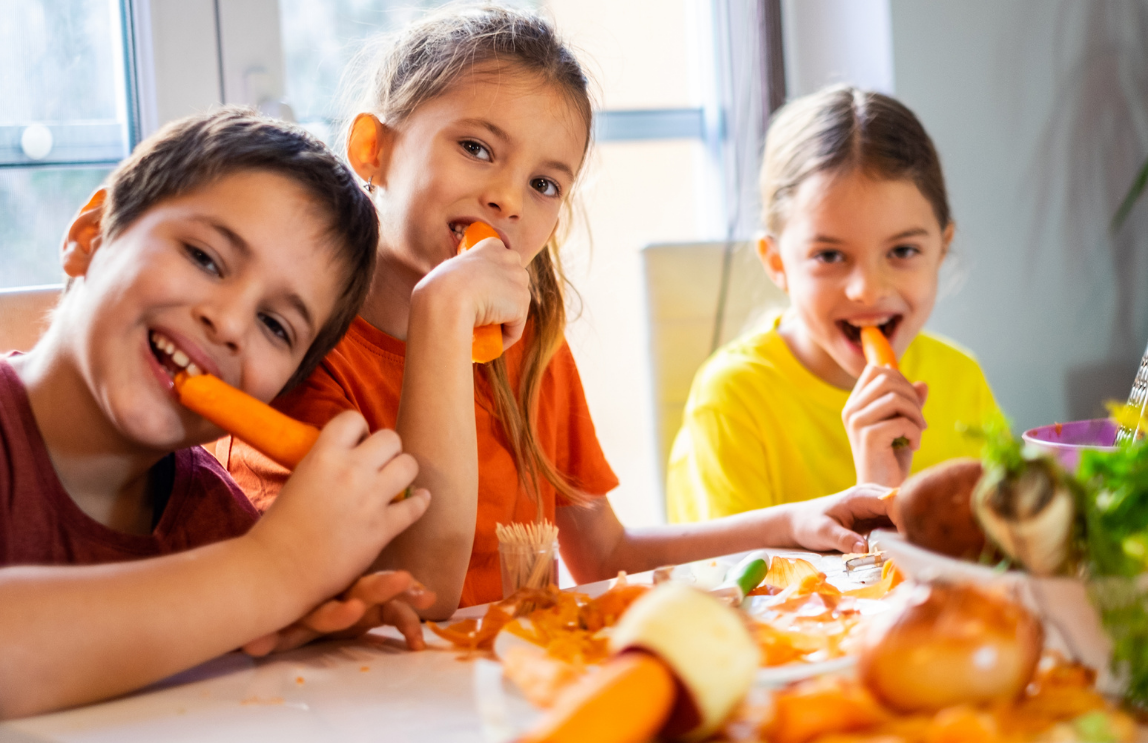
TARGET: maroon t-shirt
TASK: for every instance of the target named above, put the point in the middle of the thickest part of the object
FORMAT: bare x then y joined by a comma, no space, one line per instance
41,525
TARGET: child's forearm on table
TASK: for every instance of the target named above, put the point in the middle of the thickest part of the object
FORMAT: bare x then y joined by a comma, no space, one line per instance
596,545
437,426
673,544
77,634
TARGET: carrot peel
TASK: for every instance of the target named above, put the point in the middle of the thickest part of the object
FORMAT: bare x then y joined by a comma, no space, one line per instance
487,343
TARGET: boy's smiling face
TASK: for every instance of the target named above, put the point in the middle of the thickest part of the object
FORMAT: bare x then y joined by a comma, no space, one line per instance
855,251
237,276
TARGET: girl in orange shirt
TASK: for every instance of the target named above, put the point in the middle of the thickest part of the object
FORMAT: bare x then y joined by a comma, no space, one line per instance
484,115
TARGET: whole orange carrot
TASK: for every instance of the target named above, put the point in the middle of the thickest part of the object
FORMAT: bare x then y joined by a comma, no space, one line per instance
876,347
280,437
487,343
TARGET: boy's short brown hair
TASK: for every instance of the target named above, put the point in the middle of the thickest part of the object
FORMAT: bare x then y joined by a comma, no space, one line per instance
193,152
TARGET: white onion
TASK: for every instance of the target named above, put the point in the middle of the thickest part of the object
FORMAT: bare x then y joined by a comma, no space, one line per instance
951,644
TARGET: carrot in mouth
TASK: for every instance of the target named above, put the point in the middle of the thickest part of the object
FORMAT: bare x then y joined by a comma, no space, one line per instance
276,435
876,347
879,352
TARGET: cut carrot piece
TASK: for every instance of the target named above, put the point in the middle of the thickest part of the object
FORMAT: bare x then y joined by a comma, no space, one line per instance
487,343
628,700
280,437
876,347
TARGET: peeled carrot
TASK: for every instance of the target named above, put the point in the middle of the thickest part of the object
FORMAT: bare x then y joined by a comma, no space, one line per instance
876,347
487,343
628,700
878,352
280,437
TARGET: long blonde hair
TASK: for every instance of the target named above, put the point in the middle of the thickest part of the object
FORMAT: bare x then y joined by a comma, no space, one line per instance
421,63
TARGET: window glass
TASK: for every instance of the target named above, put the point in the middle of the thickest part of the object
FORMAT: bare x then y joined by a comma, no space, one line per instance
63,123
321,38
36,205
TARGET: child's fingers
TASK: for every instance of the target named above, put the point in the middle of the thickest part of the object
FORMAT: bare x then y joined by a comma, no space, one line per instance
889,407
512,332
922,389
406,621
861,503
402,514
261,646
344,431
831,535
887,381
334,615
381,447
881,435
378,588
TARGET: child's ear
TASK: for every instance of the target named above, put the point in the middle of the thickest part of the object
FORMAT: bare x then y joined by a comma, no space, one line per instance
369,148
84,236
771,258
947,238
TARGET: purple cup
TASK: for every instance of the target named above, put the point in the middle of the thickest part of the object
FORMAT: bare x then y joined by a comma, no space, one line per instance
1065,441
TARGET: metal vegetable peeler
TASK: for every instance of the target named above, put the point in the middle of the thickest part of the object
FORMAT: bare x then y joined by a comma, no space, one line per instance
1137,399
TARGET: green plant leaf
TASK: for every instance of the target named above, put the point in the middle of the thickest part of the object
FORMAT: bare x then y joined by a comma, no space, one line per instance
1134,193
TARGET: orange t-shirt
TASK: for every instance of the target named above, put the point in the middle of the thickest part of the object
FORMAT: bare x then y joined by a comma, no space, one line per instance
365,373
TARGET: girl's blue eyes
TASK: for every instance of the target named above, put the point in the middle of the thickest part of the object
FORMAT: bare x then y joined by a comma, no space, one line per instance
829,256
904,251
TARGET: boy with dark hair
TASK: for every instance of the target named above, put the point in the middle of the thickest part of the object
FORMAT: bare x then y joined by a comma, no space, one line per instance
240,246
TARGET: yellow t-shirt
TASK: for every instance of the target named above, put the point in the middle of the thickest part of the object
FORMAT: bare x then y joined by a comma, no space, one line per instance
760,429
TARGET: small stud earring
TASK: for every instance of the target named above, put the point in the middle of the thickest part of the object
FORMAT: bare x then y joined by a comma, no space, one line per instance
370,185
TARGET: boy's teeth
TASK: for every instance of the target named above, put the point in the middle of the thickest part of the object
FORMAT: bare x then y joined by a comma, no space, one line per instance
178,358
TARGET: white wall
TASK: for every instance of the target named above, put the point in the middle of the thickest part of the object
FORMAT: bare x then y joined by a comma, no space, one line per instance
837,41
1040,111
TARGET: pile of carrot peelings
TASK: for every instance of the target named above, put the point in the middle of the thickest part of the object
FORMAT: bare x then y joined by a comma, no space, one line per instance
565,624
807,619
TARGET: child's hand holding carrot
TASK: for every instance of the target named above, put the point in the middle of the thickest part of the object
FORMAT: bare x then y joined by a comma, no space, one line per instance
883,417
335,514
488,283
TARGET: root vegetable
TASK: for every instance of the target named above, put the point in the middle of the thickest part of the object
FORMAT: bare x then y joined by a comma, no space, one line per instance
934,509
952,644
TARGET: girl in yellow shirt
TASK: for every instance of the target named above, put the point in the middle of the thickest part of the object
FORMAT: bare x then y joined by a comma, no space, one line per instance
857,225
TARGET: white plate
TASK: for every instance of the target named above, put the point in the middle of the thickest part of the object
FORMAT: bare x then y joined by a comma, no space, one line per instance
772,677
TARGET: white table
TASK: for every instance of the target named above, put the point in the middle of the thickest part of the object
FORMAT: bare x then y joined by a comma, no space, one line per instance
372,689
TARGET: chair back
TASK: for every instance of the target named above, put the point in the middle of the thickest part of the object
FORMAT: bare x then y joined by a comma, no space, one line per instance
690,315
24,315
